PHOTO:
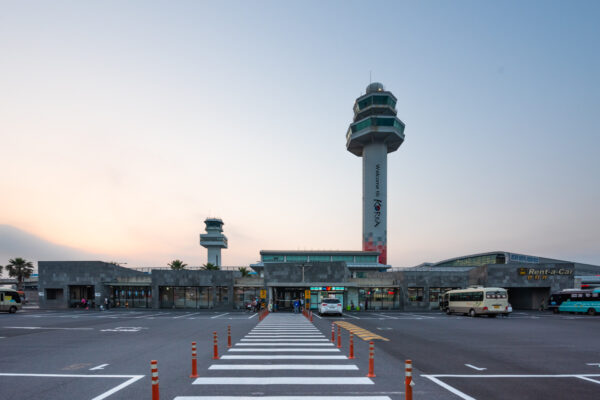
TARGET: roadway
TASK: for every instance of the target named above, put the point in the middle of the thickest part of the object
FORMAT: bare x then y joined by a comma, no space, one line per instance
95,355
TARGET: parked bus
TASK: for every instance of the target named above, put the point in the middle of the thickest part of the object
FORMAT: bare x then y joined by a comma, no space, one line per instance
479,300
575,301
10,300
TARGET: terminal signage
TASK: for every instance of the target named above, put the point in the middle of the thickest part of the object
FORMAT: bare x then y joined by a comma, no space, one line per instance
542,274
328,288
263,293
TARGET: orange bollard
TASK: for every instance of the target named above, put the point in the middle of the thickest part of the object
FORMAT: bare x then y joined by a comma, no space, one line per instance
154,375
332,333
194,365
339,346
408,383
228,336
371,373
351,356
216,348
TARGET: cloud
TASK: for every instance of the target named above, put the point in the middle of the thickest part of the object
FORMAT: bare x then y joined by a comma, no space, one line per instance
15,242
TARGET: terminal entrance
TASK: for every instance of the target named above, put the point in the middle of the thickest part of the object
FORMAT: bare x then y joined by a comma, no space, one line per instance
284,298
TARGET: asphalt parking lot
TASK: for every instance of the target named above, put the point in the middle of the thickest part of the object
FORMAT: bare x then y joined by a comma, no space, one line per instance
68,354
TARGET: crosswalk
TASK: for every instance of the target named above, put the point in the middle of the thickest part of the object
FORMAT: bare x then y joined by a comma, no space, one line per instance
283,351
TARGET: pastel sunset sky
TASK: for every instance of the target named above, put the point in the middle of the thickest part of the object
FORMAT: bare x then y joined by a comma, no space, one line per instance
124,124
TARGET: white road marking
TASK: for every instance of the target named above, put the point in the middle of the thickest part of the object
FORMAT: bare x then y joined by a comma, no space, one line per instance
252,316
281,398
351,316
315,336
387,316
284,381
124,329
101,366
588,379
277,357
513,376
259,350
183,316
220,315
132,379
44,327
283,366
284,344
474,367
449,388
597,364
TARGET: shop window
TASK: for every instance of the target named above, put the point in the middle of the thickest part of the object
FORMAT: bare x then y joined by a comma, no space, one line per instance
415,294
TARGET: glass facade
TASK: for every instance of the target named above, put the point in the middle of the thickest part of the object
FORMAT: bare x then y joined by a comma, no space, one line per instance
278,258
185,297
320,258
378,99
376,121
436,292
366,259
130,297
415,293
475,261
343,258
244,295
296,258
378,298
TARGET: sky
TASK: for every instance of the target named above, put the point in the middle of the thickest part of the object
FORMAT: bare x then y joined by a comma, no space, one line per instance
124,124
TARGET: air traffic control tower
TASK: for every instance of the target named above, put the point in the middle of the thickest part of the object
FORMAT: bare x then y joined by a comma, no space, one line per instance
374,132
214,240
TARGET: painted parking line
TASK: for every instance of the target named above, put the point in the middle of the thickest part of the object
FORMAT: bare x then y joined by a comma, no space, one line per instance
101,366
220,315
131,379
293,380
436,379
360,332
270,367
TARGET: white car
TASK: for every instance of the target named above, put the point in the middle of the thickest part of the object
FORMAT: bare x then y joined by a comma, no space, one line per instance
330,306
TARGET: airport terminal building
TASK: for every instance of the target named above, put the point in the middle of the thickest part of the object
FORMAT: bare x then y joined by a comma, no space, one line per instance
355,277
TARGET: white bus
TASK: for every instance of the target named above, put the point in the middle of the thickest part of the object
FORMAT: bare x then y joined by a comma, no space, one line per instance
9,300
478,300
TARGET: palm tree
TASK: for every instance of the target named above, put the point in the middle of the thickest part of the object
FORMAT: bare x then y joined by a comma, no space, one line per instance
210,267
19,268
177,265
244,271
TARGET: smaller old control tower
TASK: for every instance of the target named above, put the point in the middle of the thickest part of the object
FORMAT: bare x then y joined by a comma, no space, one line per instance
214,240
374,132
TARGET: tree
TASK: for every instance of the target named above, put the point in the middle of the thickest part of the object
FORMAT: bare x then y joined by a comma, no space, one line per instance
210,267
177,265
244,271
19,268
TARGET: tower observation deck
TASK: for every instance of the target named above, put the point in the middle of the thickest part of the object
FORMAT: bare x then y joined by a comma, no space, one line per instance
214,240
374,132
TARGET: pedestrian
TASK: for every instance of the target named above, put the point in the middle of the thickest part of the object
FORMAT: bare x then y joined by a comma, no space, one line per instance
254,305
106,303
83,302
296,306
301,304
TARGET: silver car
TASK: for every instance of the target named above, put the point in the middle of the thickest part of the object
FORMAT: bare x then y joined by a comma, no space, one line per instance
330,306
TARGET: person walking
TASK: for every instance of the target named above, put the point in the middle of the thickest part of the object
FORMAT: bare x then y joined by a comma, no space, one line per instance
106,303
296,306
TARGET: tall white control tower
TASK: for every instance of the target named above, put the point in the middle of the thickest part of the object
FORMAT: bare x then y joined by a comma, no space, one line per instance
374,132
214,240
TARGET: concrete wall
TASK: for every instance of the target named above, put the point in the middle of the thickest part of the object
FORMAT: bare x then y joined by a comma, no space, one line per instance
62,274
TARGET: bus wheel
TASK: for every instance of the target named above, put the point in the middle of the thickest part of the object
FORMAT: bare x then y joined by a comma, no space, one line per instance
12,310
471,313
591,311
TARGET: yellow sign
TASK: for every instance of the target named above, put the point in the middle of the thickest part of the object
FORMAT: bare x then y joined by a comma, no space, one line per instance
263,293
307,294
